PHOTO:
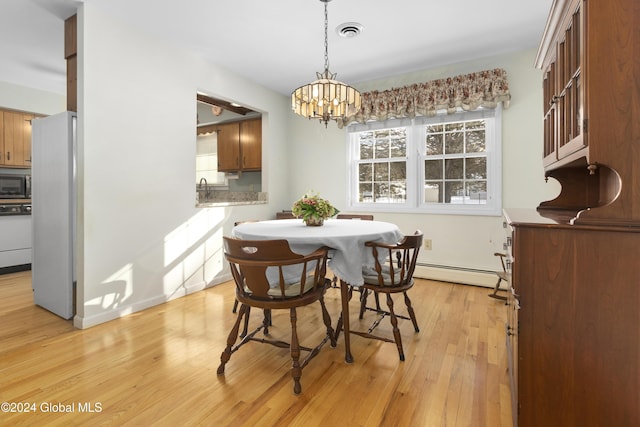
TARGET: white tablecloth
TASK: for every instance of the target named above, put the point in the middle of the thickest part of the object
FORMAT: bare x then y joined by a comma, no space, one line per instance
345,236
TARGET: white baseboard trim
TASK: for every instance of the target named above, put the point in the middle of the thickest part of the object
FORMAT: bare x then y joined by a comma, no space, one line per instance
84,322
220,279
81,322
486,279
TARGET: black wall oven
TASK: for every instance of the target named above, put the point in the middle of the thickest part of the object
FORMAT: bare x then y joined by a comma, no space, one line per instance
15,186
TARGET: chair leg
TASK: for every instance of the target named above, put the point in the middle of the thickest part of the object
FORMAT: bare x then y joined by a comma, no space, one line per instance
340,319
266,321
494,294
296,370
364,294
231,340
245,328
363,301
396,330
327,322
235,306
334,282
412,314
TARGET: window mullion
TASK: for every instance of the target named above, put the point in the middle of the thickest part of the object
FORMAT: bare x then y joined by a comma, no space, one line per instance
469,158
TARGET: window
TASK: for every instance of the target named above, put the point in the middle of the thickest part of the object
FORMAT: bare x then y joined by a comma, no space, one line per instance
207,160
382,167
442,164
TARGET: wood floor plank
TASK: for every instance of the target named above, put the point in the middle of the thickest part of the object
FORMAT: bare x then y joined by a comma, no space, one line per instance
158,367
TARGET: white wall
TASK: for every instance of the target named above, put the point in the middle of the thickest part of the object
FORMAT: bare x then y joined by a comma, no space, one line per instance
141,239
30,100
319,162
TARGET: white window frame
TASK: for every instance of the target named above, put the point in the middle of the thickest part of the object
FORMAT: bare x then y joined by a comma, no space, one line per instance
416,134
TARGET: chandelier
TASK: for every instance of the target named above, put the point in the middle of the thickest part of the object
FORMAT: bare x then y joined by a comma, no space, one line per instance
325,98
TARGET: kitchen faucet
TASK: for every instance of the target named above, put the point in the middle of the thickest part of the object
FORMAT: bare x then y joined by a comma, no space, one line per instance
206,187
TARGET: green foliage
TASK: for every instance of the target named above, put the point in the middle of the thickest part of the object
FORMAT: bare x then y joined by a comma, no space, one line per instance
313,206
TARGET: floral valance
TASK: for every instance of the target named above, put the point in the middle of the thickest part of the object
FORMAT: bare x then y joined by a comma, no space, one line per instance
468,91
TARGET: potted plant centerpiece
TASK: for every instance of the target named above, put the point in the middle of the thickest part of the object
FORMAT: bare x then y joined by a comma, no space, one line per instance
313,209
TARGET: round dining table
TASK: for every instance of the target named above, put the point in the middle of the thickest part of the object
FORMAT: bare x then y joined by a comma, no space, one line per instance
345,237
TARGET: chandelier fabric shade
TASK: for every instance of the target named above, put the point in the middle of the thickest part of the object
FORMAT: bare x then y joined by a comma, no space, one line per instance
326,98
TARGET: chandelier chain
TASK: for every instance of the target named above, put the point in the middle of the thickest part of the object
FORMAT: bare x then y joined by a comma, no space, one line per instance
326,98
326,37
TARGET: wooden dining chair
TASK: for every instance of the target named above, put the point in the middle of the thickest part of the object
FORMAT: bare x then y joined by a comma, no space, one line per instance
235,303
503,276
364,217
269,276
391,276
284,214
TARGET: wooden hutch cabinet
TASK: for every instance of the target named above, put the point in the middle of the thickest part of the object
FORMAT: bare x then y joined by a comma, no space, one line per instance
573,324
240,146
563,94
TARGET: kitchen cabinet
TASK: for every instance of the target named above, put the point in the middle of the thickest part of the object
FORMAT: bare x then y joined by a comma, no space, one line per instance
15,244
240,146
2,152
228,147
16,139
251,144
71,56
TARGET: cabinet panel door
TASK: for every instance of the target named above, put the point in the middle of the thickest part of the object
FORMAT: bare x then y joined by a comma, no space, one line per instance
564,108
26,139
544,269
2,153
15,138
229,147
549,89
251,140
14,126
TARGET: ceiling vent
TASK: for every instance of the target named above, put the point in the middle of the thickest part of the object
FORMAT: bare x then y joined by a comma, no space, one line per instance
349,29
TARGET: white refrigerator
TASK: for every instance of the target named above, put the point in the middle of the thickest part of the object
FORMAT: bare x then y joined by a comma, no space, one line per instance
53,201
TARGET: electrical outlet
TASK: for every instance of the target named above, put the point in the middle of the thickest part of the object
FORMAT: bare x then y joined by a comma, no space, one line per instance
427,244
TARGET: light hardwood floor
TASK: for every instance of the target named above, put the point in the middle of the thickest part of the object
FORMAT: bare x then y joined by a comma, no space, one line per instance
158,367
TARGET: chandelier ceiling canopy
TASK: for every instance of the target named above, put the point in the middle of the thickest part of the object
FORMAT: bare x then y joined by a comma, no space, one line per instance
326,98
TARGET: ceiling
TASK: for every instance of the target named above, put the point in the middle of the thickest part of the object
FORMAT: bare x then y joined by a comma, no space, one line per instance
280,44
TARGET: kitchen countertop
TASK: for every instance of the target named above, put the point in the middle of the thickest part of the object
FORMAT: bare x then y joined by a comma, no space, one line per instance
231,198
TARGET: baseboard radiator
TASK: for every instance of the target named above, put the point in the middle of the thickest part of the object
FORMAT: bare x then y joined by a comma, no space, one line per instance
467,276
